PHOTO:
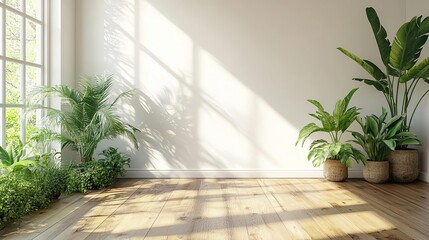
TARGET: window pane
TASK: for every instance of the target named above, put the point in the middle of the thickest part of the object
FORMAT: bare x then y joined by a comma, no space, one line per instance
17,4
13,82
34,8
33,78
13,124
2,130
33,42
31,124
13,35
1,81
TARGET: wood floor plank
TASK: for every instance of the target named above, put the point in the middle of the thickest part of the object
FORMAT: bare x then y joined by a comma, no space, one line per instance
134,219
289,217
237,228
81,222
293,209
325,205
383,207
235,209
262,220
176,218
211,221
353,208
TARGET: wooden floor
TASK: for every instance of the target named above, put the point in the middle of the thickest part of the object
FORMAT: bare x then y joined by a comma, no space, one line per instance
235,209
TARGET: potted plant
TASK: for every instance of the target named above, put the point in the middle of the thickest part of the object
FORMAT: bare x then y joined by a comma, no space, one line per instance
88,118
336,155
398,81
377,139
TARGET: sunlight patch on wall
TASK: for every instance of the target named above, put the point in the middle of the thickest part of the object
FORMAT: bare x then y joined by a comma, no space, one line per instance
166,43
218,122
242,130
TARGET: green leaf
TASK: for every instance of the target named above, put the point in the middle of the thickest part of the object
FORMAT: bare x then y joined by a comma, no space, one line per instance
380,34
372,125
349,96
392,130
306,132
379,85
317,105
371,68
334,149
408,141
406,135
4,157
391,126
391,144
421,70
424,27
318,142
407,46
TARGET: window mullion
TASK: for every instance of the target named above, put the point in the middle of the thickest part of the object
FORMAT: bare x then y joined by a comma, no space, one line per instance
3,82
23,73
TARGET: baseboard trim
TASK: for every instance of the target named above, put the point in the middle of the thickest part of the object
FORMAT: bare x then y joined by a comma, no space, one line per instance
138,173
424,177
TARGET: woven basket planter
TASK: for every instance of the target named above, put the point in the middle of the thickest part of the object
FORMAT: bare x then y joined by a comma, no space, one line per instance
335,171
404,165
376,171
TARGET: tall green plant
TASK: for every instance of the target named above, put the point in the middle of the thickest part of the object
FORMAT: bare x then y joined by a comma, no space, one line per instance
88,116
401,73
379,136
335,125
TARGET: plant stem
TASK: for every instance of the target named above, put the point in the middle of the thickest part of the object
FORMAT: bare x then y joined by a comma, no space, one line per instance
397,94
412,115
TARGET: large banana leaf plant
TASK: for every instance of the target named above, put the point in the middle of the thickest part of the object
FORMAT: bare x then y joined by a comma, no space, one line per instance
335,125
87,118
400,74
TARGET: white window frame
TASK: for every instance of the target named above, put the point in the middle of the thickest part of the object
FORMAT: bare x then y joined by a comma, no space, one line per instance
23,61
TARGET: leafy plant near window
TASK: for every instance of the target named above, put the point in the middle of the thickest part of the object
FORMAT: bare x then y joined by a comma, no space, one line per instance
378,137
401,73
14,159
20,195
335,125
88,116
97,174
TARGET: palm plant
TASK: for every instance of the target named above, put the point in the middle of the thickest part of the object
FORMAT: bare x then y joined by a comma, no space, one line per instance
335,125
401,73
378,137
87,117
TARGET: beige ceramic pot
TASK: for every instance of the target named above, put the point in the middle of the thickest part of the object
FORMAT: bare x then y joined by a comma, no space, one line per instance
335,171
404,165
376,171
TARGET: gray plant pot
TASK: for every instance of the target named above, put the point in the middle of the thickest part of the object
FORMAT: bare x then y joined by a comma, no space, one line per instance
335,171
376,171
404,165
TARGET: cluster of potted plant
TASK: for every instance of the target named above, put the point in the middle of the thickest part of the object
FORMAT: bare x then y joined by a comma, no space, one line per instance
384,140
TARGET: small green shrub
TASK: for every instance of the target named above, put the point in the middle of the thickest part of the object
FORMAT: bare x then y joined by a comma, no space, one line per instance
51,180
15,198
96,174
21,195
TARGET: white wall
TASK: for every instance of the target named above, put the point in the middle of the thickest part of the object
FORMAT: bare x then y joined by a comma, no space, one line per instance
236,73
61,58
421,124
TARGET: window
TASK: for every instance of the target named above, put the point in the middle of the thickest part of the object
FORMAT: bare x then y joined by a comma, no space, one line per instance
22,65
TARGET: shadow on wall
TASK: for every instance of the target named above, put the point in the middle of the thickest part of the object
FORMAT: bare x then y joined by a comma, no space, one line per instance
225,91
